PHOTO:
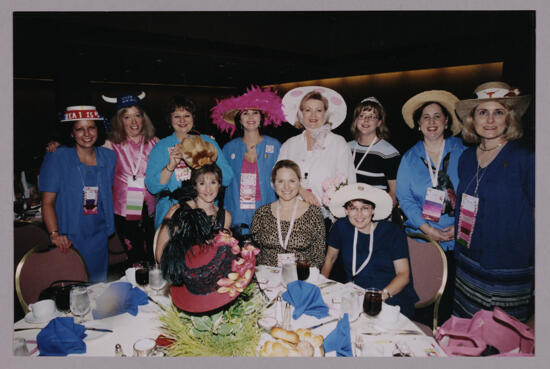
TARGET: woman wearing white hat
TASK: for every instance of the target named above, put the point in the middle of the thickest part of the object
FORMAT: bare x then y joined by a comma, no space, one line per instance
76,185
374,251
496,197
428,175
319,153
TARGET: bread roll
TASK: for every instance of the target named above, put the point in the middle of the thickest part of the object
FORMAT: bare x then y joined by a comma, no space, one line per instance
306,335
273,349
305,349
283,334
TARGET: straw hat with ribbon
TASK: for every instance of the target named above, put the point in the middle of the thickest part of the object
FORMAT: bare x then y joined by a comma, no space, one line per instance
494,91
445,98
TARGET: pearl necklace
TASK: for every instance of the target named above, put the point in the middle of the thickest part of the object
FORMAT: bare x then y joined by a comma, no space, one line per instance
492,148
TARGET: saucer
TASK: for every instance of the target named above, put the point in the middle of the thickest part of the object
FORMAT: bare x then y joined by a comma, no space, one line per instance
29,318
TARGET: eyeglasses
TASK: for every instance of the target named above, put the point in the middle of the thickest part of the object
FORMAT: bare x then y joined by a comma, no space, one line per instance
362,209
368,118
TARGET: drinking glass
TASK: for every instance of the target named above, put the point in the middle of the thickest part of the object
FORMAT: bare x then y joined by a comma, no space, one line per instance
401,349
372,303
302,269
289,273
155,279
80,302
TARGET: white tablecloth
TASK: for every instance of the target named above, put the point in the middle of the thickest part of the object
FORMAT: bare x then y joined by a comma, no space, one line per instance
127,329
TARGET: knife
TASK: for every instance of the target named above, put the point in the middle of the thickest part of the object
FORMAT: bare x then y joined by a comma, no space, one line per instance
87,328
321,324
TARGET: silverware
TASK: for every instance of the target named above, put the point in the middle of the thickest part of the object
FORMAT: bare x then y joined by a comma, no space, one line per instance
87,328
326,284
394,332
156,303
273,301
321,324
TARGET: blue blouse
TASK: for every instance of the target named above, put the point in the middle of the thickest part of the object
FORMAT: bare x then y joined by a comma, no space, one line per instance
389,244
504,230
413,180
159,158
234,151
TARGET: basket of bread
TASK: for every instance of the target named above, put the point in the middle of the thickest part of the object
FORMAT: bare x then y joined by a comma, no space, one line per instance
287,343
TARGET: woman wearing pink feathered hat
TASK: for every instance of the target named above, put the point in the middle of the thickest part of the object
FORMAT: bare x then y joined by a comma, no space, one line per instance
251,156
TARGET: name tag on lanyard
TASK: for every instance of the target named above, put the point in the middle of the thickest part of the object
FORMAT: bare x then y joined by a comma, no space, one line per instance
467,219
433,204
134,198
90,200
248,191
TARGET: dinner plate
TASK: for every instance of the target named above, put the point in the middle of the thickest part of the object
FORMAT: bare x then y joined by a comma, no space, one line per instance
29,318
92,335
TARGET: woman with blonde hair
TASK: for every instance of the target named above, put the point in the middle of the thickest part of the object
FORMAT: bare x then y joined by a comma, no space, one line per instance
495,239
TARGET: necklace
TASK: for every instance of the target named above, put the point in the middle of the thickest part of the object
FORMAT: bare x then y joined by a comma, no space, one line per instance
492,148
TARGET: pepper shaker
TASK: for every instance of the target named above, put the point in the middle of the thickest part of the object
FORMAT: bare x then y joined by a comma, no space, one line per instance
286,317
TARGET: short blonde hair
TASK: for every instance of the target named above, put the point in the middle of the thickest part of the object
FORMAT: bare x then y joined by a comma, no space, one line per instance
514,129
312,95
118,134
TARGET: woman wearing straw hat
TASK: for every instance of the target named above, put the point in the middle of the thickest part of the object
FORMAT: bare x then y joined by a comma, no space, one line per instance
76,184
166,169
251,156
374,251
319,153
428,175
496,197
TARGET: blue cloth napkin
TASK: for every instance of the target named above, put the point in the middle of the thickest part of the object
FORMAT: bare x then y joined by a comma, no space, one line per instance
339,339
119,298
61,337
306,299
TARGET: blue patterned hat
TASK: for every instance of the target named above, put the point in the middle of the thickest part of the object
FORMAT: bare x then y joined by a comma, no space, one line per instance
125,101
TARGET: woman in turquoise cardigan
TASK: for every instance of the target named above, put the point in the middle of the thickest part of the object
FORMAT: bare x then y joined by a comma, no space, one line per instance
251,156
166,169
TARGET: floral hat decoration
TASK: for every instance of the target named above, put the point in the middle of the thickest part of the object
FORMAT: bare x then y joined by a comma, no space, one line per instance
207,270
267,101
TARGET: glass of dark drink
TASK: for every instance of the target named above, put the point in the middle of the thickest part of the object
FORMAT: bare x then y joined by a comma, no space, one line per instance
62,298
142,276
372,303
302,268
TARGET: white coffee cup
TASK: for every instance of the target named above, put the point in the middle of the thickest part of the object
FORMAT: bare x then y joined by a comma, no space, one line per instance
42,309
144,347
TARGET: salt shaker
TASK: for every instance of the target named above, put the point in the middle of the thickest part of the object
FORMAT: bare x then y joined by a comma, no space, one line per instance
286,317
279,310
118,351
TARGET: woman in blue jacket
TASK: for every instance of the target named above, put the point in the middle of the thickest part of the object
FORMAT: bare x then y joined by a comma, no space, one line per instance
76,184
251,156
166,169
427,177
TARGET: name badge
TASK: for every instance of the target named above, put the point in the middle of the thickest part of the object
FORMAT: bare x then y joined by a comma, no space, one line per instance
467,219
433,204
182,171
288,258
134,198
90,200
269,149
248,191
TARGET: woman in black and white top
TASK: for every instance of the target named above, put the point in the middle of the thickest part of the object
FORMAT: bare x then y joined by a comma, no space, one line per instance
375,159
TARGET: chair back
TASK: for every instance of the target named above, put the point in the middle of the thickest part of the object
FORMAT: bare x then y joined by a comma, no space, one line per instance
25,237
39,268
155,240
117,252
429,271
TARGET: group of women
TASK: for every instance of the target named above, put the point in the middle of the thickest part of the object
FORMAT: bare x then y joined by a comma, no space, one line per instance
477,202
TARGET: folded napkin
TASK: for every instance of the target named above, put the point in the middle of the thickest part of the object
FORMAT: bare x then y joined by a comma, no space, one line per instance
119,298
339,339
61,337
306,299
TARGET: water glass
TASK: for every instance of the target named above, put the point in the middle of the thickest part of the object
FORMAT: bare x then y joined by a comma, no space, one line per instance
372,303
80,302
155,279
289,273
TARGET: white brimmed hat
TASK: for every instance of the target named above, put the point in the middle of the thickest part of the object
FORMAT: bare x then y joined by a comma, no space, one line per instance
494,91
357,191
445,98
337,109
81,112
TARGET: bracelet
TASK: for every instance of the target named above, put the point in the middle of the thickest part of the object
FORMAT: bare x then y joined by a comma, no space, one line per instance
166,167
52,232
385,290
